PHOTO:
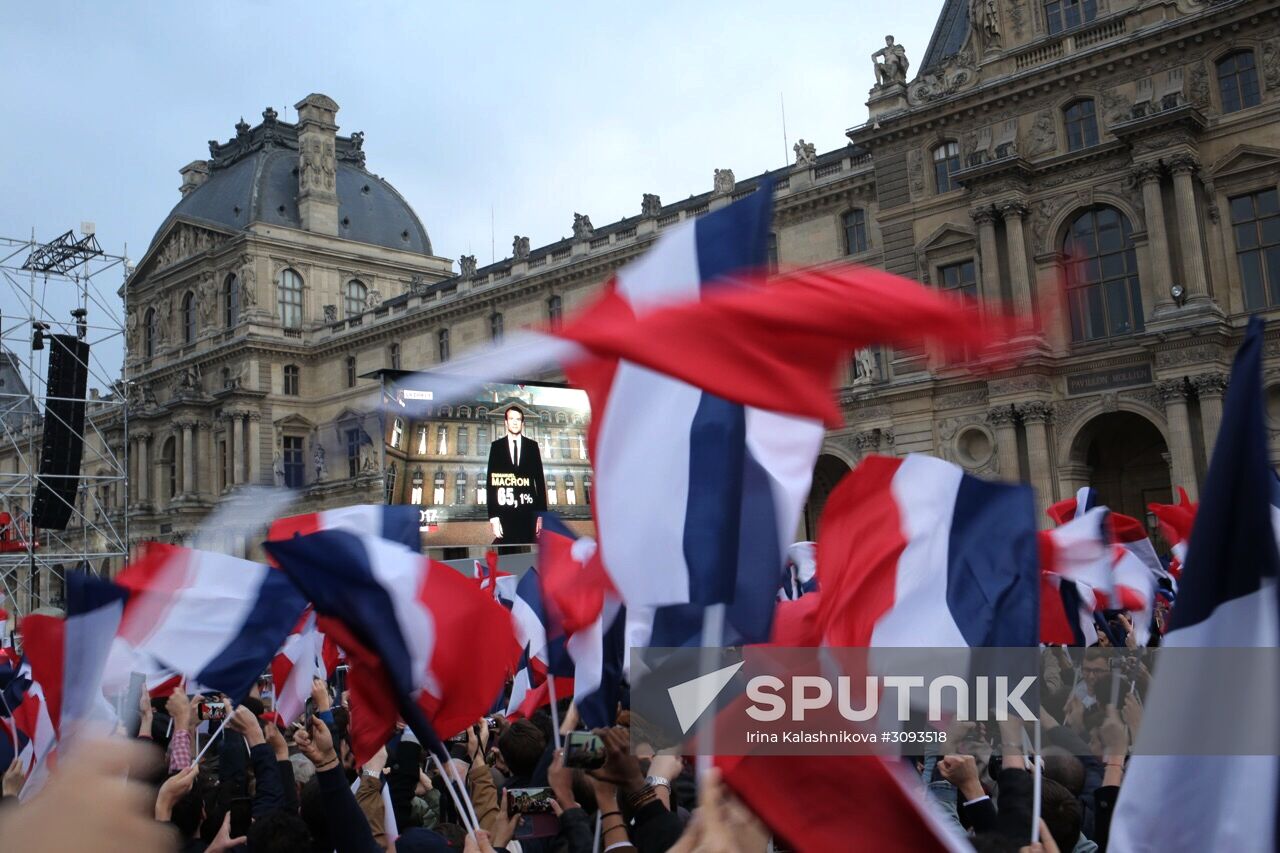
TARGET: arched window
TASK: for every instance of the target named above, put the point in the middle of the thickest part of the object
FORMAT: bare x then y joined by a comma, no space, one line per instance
586,489
1238,81
149,332
231,301
169,466
562,418
495,326
354,296
480,495
422,441
570,490
397,432
442,344
771,252
460,488
464,412
188,317
946,162
553,497
1063,15
1081,123
555,310
290,299
415,495
394,352
291,380
351,371
1104,298
437,488
854,224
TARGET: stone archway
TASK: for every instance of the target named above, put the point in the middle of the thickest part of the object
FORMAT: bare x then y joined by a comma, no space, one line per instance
826,474
1125,458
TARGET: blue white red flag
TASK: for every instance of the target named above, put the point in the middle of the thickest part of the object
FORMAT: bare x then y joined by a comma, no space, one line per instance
424,644
914,552
215,619
1227,599
299,661
397,522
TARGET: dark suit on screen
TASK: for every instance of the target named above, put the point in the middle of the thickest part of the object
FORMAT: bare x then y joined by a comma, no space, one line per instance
526,486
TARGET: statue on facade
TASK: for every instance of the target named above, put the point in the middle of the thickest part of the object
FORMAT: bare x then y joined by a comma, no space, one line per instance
806,153
582,227
520,247
208,301
893,68
330,313
189,379
277,469
317,459
309,164
372,299
368,460
467,263
248,283
864,367
650,205
984,17
133,330
723,181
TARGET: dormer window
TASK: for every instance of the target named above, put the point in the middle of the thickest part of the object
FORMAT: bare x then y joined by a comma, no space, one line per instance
1063,15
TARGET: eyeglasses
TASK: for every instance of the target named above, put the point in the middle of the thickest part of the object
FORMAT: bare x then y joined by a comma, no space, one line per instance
1096,670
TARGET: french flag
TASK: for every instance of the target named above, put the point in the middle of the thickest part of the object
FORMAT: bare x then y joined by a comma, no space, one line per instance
299,661
397,522
719,485
1227,599
1175,522
915,552
424,644
800,575
487,574
544,654
581,599
215,619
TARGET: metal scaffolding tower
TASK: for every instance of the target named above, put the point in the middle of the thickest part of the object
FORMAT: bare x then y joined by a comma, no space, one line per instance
67,286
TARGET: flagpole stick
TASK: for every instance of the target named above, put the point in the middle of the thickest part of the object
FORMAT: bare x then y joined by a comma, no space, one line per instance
463,815
466,795
213,737
13,729
555,712
595,844
712,637
1035,786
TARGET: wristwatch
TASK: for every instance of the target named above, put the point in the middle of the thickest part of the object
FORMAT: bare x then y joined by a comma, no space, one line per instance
655,781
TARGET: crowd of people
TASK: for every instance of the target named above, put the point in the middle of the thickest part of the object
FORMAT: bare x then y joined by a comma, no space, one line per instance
249,783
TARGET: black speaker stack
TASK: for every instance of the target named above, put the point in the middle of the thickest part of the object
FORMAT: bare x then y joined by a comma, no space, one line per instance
63,445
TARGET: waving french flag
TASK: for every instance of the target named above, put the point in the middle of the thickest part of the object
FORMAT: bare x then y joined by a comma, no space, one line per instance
915,552
423,642
396,522
215,619
299,661
1227,600
543,652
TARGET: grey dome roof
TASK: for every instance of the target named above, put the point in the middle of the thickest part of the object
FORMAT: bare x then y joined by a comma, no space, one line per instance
254,178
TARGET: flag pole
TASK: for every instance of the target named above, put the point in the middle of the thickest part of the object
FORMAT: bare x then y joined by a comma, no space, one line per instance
555,712
1036,777
463,814
712,638
465,794
213,737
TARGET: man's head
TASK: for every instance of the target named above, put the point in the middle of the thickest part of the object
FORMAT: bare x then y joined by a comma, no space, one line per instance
521,747
1097,669
280,832
888,41
1062,814
1064,768
515,420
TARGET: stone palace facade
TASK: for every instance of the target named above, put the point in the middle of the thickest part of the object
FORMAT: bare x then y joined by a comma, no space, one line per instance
1106,169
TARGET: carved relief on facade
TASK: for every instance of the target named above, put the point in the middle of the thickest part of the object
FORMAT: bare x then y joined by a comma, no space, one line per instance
958,72
1115,107
1271,63
967,442
185,241
915,172
1189,355
1198,86
1018,16
1045,211
1043,135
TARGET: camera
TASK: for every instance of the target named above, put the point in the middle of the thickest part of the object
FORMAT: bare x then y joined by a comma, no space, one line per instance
529,801
213,711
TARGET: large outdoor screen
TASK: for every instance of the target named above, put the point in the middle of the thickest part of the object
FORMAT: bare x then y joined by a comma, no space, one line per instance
481,470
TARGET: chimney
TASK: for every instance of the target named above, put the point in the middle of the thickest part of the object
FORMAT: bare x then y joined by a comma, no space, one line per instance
317,164
193,174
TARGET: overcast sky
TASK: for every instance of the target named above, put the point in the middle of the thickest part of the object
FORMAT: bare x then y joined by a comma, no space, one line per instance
536,110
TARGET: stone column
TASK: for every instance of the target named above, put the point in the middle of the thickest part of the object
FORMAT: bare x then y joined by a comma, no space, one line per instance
1036,416
1210,387
144,466
237,448
188,459
206,472
1019,270
1006,430
1156,291
1194,278
989,261
1182,457
255,450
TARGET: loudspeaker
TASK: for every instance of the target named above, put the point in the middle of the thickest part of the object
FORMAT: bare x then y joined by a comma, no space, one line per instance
63,445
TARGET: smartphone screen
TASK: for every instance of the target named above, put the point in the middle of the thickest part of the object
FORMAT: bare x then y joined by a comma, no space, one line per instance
529,801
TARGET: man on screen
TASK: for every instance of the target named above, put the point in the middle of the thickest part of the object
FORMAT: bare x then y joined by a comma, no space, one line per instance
515,489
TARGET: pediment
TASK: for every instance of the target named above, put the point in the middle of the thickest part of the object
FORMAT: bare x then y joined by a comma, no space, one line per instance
945,237
179,241
1244,159
295,422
